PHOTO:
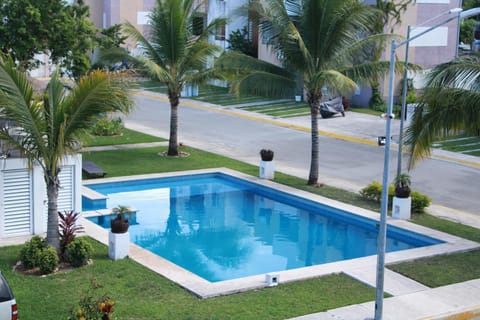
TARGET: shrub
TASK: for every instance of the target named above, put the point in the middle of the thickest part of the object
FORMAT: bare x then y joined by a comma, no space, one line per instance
372,192
68,229
48,260
107,127
31,251
79,252
419,202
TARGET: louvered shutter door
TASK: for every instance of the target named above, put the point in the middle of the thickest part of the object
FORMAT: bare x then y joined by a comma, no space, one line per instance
17,204
65,193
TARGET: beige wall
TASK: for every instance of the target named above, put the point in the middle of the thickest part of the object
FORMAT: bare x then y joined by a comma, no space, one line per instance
96,11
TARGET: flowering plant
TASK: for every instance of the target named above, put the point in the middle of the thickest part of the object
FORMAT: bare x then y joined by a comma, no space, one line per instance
91,308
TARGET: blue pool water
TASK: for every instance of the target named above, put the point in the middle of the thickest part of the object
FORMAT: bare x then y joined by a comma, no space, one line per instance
221,227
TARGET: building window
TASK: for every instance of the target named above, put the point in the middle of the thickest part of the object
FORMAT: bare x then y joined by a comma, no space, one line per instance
220,31
198,25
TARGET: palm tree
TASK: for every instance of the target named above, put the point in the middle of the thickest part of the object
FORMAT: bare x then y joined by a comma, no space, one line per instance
52,124
174,53
450,103
322,42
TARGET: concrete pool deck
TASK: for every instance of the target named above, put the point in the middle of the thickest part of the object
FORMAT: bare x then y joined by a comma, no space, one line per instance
362,269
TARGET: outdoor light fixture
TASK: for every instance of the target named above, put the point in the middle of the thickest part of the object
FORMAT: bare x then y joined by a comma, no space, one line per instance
384,207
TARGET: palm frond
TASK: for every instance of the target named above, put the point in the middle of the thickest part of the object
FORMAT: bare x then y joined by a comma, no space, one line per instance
13,83
233,62
450,103
364,72
95,94
114,55
197,56
155,71
462,73
17,103
150,49
333,79
264,84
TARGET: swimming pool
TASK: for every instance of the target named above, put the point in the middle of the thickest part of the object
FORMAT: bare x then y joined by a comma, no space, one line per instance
222,227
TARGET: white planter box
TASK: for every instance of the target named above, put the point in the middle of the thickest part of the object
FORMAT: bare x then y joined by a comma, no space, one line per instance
401,208
118,245
267,170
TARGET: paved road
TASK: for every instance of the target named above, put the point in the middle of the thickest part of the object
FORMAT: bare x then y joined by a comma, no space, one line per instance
343,161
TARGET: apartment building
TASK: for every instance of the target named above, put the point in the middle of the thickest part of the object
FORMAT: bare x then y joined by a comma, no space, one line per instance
433,48
106,13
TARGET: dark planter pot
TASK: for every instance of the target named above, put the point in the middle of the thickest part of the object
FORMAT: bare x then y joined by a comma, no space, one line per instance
402,192
266,155
119,225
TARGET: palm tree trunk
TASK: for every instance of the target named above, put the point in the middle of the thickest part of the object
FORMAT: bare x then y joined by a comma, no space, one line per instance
314,109
173,139
53,237
375,99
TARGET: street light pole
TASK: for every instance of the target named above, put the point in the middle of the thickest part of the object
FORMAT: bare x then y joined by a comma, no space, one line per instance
404,108
382,233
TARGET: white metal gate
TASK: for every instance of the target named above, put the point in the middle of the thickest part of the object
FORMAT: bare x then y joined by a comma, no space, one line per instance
17,205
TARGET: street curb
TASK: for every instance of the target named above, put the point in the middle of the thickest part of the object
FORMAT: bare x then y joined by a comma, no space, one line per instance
470,313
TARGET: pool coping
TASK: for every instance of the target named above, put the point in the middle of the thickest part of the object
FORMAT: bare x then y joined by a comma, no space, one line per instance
205,289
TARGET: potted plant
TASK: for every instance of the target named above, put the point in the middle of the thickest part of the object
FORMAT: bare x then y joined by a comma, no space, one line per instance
118,237
402,203
267,166
120,223
402,184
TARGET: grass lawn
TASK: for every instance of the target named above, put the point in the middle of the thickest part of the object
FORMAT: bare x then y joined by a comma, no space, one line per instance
142,294
457,229
446,269
442,270
460,143
282,109
126,137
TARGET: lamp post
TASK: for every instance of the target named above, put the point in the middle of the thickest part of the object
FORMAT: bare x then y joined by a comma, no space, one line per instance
404,106
384,203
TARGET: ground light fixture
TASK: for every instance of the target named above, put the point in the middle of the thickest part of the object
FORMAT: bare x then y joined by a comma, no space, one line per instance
456,14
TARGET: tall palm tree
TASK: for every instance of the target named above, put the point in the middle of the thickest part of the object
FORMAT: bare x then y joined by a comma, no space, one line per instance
175,52
323,42
52,124
450,103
